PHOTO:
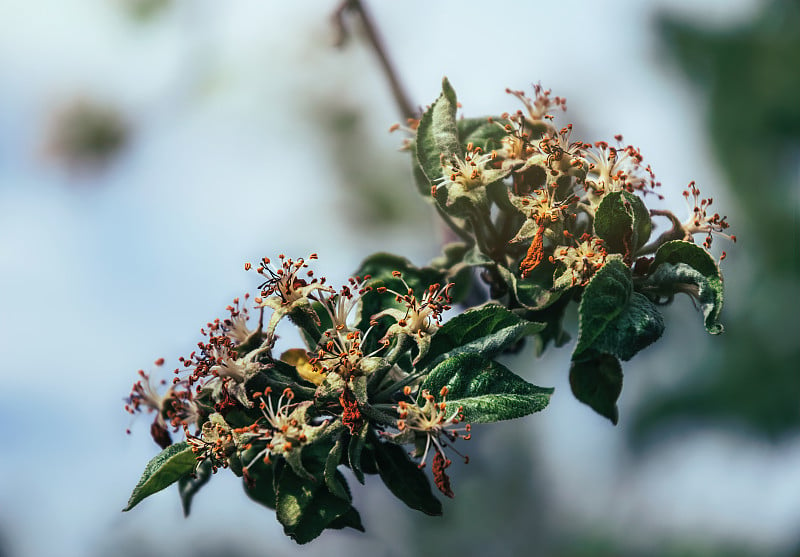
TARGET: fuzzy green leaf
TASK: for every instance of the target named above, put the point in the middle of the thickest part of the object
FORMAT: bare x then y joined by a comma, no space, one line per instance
437,134
381,265
597,381
623,222
614,319
486,330
331,464
166,468
486,390
260,483
637,326
669,279
189,485
481,132
679,251
305,508
405,480
350,519
354,450
604,298
686,267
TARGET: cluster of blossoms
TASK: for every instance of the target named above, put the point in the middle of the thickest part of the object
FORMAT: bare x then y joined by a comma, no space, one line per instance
553,189
543,219
224,397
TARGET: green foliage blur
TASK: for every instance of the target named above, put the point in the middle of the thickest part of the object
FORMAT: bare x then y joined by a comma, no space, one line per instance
749,78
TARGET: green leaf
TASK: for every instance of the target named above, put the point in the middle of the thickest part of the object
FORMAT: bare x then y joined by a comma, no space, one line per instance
331,464
637,326
189,485
420,180
597,381
405,480
166,468
486,390
261,483
679,251
305,508
486,330
350,519
437,134
669,279
381,265
603,300
623,222
451,263
481,132
612,318
354,450
686,267
530,292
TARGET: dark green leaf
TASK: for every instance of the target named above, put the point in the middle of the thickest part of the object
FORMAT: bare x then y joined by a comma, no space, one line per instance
169,466
305,508
614,319
623,222
679,251
350,519
603,300
437,134
355,449
405,480
189,485
669,279
486,390
671,272
597,381
481,132
636,327
261,481
533,292
451,263
331,464
486,330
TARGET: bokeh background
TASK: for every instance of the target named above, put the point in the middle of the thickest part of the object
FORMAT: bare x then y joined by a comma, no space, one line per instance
148,148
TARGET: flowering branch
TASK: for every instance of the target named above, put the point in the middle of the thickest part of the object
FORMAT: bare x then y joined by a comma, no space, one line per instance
378,381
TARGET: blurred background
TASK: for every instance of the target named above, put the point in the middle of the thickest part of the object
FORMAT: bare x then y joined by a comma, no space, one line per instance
148,148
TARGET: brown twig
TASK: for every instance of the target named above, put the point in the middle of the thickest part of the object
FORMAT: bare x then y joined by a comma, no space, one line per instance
357,7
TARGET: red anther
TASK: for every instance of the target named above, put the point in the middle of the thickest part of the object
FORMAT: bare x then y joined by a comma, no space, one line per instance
396,274
159,362
407,390
394,128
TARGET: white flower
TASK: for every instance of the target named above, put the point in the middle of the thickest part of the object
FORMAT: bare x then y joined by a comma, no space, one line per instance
421,318
284,291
